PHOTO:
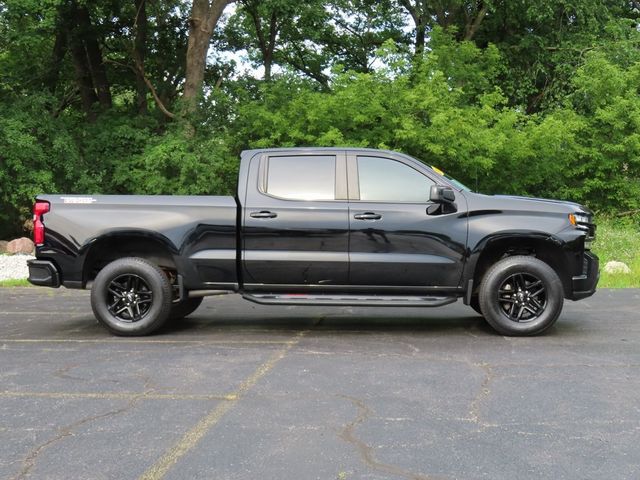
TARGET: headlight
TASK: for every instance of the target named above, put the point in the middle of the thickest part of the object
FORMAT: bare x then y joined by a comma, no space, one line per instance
578,218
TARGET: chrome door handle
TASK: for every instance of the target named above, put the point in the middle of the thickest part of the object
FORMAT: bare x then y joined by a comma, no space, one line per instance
367,216
263,214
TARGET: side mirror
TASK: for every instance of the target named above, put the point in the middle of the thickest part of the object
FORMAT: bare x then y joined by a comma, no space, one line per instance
443,199
442,194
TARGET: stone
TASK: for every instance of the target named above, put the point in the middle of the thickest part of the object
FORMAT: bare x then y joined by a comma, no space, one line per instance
20,246
3,246
616,267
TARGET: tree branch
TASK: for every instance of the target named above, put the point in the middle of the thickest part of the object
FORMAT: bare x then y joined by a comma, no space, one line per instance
628,212
138,70
67,99
473,27
411,9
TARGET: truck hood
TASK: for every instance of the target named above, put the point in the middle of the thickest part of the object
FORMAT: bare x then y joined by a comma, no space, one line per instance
514,202
572,205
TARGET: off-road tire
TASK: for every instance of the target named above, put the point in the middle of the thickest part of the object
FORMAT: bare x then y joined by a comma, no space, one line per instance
131,297
520,296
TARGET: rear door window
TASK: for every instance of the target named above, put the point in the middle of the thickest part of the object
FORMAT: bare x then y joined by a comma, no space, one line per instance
302,177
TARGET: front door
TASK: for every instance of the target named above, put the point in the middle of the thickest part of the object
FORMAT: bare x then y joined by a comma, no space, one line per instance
295,228
393,241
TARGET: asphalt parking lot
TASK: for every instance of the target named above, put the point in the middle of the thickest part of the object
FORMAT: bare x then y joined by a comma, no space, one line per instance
242,391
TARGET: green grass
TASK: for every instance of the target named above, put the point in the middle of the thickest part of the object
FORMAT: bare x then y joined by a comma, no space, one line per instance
15,283
618,240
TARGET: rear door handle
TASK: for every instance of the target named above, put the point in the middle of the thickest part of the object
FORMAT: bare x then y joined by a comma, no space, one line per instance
263,214
367,216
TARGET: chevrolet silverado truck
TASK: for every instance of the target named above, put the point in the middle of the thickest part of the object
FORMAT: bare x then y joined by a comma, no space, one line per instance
319,226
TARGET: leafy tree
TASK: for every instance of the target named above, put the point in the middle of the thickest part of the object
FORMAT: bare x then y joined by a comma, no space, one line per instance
137,96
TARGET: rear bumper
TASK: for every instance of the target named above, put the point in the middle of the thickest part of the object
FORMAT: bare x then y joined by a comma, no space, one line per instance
43,273
585,285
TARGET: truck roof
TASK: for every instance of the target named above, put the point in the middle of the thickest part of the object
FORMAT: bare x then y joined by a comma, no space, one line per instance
252,152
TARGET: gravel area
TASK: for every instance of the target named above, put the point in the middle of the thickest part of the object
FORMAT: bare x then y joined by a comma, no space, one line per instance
13,267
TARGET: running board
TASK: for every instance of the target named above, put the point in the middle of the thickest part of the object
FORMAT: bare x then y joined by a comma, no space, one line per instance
349,300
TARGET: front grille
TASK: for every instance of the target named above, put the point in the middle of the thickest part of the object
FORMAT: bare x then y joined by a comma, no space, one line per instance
590,228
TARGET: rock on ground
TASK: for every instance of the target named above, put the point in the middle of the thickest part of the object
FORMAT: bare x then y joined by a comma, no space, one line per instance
616,267
22,245
3,246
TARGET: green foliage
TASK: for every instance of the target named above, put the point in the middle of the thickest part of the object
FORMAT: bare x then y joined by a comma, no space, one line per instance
618,239
36,155
543,99
458,119
173,164
606,170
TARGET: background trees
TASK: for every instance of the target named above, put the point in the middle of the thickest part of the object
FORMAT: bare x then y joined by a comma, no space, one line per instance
159,96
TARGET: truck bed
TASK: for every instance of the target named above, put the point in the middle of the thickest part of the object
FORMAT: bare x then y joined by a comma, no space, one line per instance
199,231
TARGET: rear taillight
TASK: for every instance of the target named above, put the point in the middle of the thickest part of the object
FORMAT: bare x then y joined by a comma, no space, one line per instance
40,208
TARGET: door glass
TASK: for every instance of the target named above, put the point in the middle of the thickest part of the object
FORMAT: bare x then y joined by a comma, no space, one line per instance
304,177
385,180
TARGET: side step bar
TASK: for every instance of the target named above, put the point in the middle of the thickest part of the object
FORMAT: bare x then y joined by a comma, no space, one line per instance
349,300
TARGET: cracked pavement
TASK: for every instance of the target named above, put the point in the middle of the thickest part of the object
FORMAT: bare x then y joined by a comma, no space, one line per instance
243,391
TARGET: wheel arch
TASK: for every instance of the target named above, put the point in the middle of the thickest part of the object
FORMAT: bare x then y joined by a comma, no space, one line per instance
151,246
545,247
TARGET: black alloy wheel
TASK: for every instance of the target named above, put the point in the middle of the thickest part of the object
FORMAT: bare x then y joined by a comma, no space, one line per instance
131,296
521,295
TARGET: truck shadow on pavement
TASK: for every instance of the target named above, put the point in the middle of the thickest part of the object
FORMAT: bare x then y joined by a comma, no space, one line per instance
328,323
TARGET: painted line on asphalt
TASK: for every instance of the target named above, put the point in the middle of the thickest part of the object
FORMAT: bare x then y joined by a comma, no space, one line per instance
193,436
142,341
40,312
115,396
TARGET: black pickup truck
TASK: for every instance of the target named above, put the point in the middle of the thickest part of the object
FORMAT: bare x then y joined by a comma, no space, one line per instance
319,226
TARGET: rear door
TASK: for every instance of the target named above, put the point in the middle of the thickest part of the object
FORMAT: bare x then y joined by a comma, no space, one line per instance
295,227
393,241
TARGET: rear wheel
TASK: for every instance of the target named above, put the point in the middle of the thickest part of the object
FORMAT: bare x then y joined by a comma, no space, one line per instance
521,295
131,296
184,308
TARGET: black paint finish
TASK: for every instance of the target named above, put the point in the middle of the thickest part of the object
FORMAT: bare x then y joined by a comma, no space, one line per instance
259,242
292,241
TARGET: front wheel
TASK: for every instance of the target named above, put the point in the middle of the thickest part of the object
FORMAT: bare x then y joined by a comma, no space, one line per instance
131,296
521,295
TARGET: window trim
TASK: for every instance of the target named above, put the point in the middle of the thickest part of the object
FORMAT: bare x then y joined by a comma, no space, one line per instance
340,189
354,178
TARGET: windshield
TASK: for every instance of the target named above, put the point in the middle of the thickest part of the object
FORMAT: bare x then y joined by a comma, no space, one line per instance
452,180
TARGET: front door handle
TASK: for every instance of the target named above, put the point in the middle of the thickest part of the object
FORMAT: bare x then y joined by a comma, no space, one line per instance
367,216
263,214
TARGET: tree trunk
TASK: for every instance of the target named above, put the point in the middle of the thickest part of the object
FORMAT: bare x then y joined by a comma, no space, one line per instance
83,74
67,17
473,26
57,55
421,33
266,45
139,50
271,46
204,17
94,55
419,14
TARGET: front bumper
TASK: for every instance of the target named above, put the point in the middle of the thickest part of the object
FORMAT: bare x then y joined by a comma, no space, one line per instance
584,285
43,273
